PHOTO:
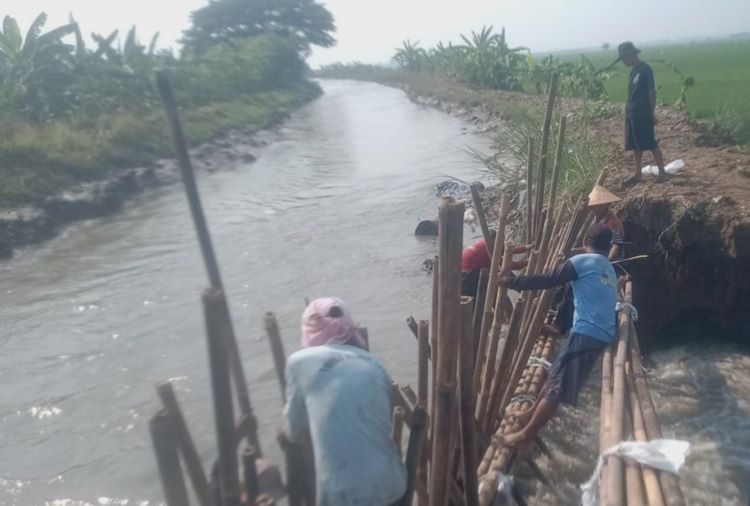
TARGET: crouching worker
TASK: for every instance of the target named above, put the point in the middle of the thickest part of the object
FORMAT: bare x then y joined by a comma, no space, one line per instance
595,296
477,257
339,395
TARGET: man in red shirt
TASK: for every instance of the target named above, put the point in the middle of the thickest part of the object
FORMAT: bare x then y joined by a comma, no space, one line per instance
477,257
600,201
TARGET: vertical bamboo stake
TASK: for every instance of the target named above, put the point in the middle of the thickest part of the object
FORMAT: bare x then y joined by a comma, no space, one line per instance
185,444
530,193
165,446
481,296
250,473
489,301
466,403
557,167
215,311
494,339
543,152
414,452
204,238
277,350
397,427
423,364
615,485
481,216
433,343
449,328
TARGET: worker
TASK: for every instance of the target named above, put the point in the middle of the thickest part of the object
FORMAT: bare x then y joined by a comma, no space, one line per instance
640,111
477,257
595,291
339,395
600,202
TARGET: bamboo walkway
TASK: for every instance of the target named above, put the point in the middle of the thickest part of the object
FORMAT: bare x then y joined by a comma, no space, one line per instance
478,358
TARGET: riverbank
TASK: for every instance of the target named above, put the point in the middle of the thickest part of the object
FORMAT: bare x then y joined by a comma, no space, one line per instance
56,174
695,228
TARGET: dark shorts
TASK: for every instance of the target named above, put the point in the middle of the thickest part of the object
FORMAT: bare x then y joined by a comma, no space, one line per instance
573,365
470,282
639,134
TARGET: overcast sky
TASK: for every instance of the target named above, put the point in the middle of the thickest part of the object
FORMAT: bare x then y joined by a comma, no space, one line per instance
369,30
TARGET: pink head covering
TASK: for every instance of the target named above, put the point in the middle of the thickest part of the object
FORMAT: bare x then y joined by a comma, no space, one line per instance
319,327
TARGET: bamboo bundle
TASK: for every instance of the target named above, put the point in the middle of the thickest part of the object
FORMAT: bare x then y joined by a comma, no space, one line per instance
626,413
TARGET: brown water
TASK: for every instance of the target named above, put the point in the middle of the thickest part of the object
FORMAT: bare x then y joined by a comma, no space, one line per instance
94,319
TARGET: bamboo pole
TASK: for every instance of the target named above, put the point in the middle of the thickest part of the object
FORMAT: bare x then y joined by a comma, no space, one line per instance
397,427
450,239
300,485
615,484
635,495
466,403
250,473
215,311
185,444
423,363
277,350
481,216
605,416
491,296
434,339
557,166
481,296
414,453
530,193
165,447
204,238
542,171
650,478
494,341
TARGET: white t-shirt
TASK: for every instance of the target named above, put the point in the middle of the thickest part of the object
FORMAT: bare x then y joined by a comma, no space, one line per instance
342,394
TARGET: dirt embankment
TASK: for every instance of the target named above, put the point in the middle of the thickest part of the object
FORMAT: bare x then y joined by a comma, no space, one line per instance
695,227
33,224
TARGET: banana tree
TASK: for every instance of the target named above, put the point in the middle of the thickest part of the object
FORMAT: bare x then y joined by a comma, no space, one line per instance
410,56
32,61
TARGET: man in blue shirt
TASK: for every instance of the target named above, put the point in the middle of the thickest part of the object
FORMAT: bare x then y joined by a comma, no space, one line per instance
594,285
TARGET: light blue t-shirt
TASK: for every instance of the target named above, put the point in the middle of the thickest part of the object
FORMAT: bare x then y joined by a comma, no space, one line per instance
341,394
595,292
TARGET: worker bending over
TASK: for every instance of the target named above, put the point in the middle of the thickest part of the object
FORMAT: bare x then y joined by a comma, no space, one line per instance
477,257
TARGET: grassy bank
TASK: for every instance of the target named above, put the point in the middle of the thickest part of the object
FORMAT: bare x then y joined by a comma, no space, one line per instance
721,71
37,160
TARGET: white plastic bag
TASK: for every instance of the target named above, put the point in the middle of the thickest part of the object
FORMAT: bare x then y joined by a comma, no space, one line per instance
662,454
671,168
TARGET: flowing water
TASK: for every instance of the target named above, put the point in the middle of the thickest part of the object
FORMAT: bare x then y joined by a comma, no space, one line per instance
95,318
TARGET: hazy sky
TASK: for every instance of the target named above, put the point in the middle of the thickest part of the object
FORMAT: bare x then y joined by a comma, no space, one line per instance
369,30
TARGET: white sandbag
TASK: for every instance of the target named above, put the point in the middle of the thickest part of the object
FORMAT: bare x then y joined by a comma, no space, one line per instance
671,168
662,454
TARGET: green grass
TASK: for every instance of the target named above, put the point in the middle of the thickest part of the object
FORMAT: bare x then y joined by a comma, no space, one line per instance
38,160
722,75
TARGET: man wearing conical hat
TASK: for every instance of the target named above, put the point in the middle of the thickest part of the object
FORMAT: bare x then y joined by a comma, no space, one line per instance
600,200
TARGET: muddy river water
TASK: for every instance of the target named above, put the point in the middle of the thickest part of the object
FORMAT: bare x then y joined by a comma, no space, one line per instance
92,320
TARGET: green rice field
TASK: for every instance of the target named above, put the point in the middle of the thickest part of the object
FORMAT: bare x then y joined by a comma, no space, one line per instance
721,71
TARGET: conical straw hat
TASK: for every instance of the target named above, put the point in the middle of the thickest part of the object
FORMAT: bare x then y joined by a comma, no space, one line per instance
600,196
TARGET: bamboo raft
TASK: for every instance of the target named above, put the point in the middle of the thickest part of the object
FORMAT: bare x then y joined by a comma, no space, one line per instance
478,359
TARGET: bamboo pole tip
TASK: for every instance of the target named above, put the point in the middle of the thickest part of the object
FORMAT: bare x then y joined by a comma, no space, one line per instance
448,201
213,295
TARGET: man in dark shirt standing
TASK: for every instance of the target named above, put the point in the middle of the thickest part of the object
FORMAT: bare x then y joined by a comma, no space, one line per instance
639,111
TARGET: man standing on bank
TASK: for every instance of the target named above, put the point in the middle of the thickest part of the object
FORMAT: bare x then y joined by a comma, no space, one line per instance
639,111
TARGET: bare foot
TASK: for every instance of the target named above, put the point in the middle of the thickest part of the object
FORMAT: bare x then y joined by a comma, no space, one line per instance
517,439
522,417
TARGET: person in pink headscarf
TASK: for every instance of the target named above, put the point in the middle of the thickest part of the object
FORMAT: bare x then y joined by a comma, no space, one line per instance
338,394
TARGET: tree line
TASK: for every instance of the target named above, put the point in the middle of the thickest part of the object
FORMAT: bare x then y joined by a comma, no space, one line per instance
232,47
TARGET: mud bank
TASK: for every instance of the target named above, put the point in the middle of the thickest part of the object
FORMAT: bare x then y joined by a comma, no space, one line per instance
33,224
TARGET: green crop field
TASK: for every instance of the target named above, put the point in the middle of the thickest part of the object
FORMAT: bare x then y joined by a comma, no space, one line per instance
721,71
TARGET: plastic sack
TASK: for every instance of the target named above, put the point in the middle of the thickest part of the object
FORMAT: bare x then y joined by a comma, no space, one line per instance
671,168
662,454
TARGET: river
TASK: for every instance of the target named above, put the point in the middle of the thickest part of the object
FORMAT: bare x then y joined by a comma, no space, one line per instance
95,318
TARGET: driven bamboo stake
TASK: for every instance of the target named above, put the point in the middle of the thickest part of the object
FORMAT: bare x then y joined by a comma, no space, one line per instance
466,403
277,350
165,446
